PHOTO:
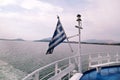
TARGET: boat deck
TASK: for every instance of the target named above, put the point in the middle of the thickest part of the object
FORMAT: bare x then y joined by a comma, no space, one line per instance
107,73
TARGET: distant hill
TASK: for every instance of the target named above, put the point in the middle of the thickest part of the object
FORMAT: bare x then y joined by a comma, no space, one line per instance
100,41
18,39
43,40
106,42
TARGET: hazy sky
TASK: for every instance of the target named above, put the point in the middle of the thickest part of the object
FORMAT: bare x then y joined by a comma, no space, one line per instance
36,19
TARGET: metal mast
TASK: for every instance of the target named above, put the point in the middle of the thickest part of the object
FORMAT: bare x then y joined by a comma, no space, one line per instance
79,46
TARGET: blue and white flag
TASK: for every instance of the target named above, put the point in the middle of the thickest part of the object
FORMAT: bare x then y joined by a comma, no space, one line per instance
58,37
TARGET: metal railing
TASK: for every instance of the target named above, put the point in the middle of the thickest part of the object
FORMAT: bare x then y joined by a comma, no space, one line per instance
62,69
100,60
58,70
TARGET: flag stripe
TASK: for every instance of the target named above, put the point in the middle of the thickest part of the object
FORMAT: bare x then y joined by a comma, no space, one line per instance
58,41
56,38
51,48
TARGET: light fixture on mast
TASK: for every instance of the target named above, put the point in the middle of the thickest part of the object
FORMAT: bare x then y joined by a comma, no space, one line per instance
79,22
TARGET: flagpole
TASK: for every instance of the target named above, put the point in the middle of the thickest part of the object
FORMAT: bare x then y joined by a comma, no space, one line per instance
79,46
66,36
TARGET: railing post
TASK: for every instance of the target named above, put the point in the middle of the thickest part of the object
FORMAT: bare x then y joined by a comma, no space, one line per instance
36,76
89,60
99,57
69,65
108,55
76,60
69,75
69,61
56,68
117,57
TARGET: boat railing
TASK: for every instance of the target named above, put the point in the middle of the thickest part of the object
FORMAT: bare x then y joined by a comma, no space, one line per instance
58,70
100,60
64,68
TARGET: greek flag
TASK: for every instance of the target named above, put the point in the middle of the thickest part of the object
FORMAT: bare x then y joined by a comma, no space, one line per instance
58,37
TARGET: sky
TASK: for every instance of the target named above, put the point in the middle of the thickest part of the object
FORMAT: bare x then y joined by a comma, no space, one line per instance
37,19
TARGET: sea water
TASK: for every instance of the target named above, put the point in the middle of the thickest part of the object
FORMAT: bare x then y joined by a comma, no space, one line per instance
21,57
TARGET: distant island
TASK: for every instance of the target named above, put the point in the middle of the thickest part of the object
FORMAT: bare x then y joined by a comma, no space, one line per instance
102,42
89,41
43,40
18,39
